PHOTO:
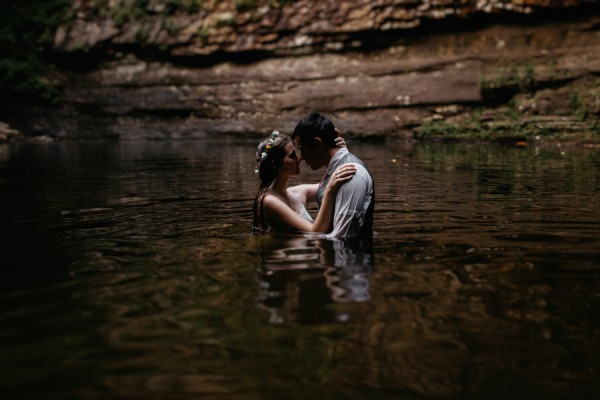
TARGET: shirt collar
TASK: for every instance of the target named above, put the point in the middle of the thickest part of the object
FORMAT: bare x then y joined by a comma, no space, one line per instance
335,160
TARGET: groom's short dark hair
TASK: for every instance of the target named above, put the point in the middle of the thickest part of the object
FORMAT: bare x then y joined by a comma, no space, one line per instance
315,125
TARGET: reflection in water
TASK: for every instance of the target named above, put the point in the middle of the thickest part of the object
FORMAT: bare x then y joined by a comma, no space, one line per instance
300,277
129,271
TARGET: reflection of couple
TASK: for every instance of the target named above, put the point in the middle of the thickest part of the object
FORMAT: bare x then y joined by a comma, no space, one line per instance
345,195
301,278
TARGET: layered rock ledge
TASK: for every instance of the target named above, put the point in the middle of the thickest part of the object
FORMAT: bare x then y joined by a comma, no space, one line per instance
379,68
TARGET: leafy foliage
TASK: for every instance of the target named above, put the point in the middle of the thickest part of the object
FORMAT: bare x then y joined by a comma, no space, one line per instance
26,32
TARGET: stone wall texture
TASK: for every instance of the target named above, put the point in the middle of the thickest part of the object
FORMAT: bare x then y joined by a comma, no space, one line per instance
169,70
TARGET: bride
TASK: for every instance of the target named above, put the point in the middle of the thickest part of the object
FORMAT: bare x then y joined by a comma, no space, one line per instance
282,209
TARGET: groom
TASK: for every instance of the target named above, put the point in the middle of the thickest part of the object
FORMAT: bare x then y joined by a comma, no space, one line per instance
314,137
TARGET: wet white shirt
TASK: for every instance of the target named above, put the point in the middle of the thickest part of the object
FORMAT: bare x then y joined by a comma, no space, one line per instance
352,199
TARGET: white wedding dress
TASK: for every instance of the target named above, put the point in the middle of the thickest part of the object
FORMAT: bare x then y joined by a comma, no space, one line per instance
304,214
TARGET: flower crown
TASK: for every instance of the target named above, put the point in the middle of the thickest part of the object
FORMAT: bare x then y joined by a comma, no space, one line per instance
268,146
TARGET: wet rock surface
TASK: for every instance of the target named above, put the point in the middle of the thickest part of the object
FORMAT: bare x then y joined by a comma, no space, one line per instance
384,68
7,133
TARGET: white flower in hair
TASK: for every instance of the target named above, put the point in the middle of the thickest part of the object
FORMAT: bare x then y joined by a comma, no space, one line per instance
268,146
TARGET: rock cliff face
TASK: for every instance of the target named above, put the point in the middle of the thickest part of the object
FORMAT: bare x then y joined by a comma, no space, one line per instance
157,69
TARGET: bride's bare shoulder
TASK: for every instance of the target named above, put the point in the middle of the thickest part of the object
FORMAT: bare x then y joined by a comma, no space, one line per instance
271,200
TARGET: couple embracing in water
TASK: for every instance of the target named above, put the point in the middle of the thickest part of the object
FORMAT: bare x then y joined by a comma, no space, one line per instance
345,196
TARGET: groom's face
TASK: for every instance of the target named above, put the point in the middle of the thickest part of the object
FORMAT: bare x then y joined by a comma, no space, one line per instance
314,154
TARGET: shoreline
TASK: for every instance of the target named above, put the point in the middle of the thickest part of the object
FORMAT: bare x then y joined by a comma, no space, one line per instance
9,134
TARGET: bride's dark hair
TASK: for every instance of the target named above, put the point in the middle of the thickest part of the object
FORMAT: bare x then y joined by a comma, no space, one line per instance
269,158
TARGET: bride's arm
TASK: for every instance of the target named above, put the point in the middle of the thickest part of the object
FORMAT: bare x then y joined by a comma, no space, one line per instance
281,217
306,192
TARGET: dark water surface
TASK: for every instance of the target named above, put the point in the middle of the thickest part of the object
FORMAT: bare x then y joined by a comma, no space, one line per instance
129,271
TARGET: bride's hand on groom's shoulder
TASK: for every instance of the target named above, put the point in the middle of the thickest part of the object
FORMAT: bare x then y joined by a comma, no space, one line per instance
342,174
